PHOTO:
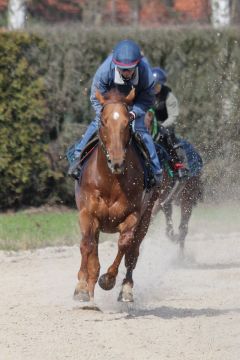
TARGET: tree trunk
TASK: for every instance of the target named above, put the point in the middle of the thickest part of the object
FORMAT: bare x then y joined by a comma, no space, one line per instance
113,15
220,13
135,12
16,14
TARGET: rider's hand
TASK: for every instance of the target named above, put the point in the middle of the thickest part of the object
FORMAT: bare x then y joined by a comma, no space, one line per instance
163,131
132,115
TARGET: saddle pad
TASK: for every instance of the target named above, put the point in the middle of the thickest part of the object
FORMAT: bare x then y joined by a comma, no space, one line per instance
195,162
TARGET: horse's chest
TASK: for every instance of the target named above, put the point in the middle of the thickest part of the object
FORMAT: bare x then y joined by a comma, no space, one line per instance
113,211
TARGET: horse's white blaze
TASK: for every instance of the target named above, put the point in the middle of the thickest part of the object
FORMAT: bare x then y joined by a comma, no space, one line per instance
116,115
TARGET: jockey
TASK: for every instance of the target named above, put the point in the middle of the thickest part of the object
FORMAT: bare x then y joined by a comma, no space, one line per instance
164,115
124,69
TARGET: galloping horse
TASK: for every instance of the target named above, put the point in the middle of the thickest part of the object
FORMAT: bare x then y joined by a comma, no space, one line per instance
110,198
185,193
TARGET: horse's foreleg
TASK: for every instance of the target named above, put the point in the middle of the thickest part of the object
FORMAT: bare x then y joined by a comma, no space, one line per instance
107,281
131,257
132,253
89,269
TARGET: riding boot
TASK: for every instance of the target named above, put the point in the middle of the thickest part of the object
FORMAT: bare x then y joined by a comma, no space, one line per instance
178,160
74,152
155,173
75,169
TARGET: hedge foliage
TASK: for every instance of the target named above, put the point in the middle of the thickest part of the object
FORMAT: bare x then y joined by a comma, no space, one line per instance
203,72
24,167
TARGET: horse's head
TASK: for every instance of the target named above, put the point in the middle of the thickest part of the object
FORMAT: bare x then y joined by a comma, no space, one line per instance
114,133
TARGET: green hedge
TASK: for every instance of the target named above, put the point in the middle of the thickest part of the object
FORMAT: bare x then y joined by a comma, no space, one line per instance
203,72
24,169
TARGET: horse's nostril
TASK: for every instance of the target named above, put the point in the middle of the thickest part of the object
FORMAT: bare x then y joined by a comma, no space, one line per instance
118,167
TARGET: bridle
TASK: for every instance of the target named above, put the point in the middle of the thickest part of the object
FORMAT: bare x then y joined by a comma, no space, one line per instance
103,147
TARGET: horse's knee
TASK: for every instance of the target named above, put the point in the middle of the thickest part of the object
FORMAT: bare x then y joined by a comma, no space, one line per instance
125,241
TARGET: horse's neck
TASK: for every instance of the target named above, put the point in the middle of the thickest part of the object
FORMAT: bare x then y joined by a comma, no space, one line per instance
102,165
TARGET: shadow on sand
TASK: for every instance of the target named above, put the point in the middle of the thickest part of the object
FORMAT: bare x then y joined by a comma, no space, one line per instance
167,312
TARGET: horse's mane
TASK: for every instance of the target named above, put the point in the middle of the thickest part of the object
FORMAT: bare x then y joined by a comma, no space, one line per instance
114,95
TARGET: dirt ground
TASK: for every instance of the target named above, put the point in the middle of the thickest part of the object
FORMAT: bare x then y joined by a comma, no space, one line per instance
184,309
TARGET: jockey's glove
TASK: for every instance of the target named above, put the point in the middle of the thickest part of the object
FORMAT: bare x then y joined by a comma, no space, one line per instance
132,115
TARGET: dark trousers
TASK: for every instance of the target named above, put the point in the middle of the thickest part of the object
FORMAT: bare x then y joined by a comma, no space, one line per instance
169,141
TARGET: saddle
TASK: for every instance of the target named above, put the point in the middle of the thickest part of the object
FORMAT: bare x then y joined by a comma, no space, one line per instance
85,153
191,157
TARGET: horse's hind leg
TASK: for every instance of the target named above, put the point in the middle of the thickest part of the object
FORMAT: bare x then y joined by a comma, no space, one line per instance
186,212
89,269
167,210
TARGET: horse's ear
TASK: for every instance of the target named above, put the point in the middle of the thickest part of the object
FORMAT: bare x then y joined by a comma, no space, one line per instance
100,97
129,99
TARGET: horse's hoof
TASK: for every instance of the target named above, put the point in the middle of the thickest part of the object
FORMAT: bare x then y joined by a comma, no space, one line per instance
125,297
126,294
106,281
81,294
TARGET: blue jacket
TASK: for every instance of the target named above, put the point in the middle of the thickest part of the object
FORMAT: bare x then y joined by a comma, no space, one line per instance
107,77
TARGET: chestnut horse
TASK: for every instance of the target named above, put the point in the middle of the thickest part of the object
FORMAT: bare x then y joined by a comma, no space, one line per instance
110,198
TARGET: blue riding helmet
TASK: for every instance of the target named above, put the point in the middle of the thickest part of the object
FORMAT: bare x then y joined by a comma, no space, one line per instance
126,54
159,75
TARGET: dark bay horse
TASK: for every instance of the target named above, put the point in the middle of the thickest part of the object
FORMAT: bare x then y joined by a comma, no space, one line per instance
185,194
110,198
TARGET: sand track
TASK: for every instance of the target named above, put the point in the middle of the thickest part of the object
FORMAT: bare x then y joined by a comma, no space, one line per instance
186,309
